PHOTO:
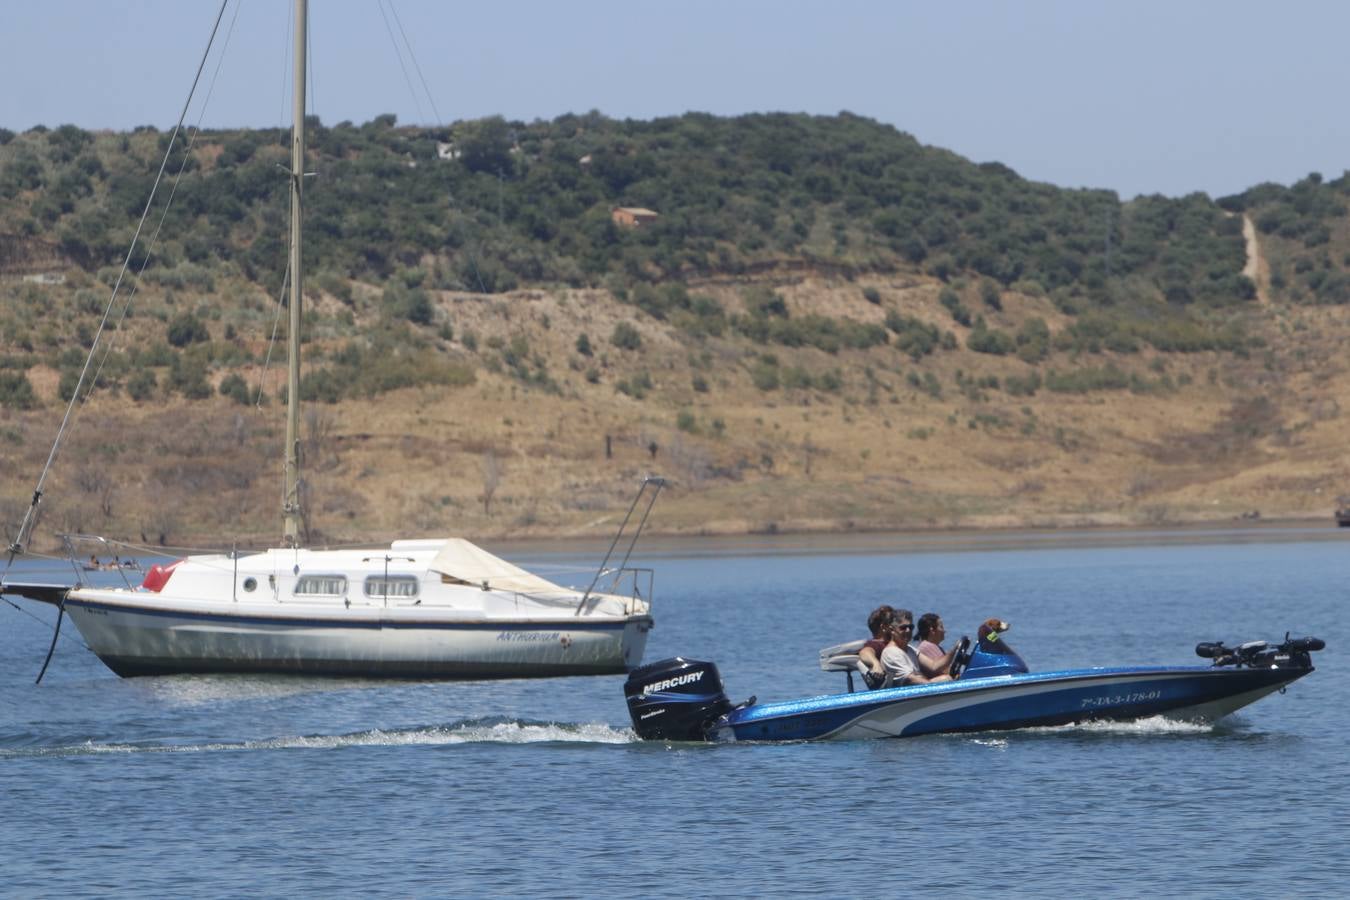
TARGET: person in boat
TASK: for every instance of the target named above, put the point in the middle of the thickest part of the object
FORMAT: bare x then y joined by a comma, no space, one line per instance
903,663
931,633
879,623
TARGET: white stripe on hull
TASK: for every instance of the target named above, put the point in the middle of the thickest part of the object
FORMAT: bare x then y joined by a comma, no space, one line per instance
1217,709
891,721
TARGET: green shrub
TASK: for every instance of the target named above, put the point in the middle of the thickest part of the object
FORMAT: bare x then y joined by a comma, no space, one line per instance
764,374
626,337
912,336
795,378
949,299
324,385
636,386
236,388
1022,386
989,293
1033,340
764,301
1082,381
983,339
400,301
188,377
16,391
141,385
185,328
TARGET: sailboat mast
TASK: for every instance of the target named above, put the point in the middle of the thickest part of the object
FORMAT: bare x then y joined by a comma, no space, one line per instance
291,500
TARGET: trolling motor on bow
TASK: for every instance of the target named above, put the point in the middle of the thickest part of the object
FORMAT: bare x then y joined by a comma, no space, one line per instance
1294,653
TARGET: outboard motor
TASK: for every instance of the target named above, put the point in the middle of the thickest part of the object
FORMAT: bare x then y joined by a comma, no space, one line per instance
675,699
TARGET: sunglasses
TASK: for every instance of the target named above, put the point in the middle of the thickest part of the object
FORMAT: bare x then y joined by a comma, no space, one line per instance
906,626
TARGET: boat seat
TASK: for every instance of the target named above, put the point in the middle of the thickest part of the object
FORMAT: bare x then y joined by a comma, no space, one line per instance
844,658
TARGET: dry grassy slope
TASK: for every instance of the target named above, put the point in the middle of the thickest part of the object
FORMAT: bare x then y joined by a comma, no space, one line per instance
1263,434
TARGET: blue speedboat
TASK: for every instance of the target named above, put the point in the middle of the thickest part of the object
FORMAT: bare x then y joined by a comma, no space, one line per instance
684,700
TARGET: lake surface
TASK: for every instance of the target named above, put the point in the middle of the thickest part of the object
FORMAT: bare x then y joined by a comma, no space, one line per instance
258,785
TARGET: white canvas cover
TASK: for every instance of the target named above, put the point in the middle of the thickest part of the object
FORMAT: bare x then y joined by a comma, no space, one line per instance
463,561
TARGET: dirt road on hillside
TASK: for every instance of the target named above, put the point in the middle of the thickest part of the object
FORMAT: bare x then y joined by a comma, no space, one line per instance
1256,268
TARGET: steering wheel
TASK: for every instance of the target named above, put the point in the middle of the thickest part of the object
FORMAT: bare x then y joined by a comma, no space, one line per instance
960,659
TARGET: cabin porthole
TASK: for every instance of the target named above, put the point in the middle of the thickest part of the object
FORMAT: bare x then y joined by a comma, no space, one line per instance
250,584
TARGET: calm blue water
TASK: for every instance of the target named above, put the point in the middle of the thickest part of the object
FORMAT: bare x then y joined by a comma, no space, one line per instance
230,786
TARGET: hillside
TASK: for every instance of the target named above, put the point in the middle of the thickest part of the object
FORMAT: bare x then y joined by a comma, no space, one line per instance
829,327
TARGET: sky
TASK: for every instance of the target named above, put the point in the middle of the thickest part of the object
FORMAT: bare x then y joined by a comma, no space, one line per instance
1140,97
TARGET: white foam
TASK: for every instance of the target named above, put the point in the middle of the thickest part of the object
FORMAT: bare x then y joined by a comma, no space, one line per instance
465,733
1150,725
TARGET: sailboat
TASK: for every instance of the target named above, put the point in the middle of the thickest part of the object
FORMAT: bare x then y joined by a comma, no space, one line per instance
414,609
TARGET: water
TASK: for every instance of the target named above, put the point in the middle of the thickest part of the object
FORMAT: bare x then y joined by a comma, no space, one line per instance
244,785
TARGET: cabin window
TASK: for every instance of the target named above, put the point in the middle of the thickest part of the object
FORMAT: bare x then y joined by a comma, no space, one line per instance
250,584
391,586
321,585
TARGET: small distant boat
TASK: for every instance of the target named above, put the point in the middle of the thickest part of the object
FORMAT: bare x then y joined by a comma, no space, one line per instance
683,700
1343,512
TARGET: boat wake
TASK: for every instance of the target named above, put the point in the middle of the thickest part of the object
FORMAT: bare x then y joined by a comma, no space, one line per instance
1150,725
1153,725
476,731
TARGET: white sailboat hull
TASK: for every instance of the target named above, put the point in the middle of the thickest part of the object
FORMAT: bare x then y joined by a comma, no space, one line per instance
429,609
133,639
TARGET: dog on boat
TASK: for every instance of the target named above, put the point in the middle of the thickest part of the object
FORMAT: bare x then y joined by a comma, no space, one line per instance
989,632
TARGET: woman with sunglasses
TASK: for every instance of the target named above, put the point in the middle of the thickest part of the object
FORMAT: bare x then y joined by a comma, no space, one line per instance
903,664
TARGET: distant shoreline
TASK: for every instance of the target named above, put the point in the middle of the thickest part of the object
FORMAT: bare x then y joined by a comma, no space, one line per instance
940,540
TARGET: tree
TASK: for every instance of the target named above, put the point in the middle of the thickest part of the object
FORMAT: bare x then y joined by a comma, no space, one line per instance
185,328
67,141
141,385
485,145
16,391
626,337
236,388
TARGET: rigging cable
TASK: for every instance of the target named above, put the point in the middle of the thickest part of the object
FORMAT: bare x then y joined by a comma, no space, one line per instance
398,54
272,342
29,515
416,65
285,75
